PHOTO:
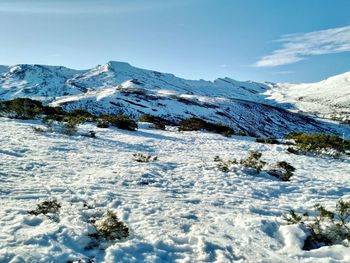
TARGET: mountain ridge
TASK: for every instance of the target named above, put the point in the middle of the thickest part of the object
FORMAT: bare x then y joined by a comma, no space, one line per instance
118,87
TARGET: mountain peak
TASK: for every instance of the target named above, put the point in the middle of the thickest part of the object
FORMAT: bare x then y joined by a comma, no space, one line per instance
118,65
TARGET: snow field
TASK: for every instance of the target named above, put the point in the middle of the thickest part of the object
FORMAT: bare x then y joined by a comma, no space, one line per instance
180,208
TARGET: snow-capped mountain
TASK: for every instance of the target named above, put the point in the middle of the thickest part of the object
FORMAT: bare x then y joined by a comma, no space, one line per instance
329,98
37,81
118,87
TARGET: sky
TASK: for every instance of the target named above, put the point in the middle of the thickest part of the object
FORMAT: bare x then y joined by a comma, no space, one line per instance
260,40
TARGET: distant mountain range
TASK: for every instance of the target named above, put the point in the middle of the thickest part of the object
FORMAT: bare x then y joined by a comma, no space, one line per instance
259,109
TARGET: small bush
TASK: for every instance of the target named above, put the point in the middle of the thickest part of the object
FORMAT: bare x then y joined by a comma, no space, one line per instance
79,113
196,124
119,121
318,143
56,113
70,125
22,108
222,165
157,122
282,170
239,133
144,158
267,141
66,127
326,227
102,124
253,161
110,228
25,108
293,150
49,208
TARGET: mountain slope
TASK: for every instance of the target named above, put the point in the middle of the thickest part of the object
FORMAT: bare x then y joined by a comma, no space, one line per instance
134,99
118,87
328,98
36,81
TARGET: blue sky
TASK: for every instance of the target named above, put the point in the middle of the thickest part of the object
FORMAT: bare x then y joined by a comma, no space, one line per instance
260,40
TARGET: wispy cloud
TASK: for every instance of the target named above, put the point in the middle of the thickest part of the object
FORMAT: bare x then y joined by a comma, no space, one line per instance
297,47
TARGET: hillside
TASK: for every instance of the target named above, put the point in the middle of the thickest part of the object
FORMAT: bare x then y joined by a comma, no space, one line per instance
117,87
329,98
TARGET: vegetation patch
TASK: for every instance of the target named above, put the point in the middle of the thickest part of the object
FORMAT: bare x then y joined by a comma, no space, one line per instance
282,170
324,227
223,165
119,121
318,143
157,122
109,228
21,108
25,108
267,141
197,124
254,161
49,208
144,158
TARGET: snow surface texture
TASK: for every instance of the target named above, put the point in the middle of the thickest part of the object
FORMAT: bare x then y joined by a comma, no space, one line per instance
180,208
118,87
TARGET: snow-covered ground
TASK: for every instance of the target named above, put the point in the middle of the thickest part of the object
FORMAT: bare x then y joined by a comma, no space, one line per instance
180,208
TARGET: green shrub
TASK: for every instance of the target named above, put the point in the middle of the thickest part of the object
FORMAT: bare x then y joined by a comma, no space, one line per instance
292,150
326,227
282,170
25,108
119,121
222,165
157,122
49,208
239,133
144,158
253,161
102,124
80,114
110,228
318,142
54,112
70,125
267,140
21,108
196,124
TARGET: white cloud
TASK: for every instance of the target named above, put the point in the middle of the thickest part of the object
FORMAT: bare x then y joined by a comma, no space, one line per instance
297,47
